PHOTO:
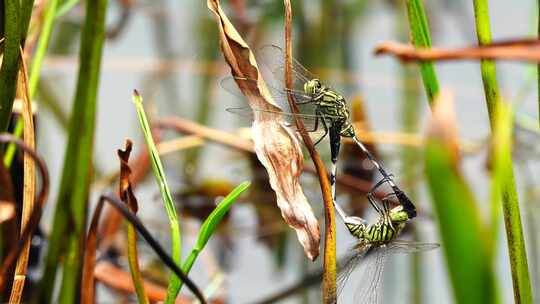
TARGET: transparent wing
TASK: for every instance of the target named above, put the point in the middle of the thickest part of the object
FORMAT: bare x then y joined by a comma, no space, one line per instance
528,142
272,58
230,84
403,246
346,268
370,260
312,123
369,289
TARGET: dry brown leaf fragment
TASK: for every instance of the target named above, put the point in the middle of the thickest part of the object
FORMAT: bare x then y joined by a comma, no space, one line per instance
276,145
125,190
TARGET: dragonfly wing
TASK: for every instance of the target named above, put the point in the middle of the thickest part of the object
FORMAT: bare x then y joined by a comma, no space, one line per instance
403,246
310,121
272,57
230,84
369,289
346,268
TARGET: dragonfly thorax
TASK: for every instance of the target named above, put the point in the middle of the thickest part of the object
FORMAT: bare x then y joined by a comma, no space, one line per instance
331,105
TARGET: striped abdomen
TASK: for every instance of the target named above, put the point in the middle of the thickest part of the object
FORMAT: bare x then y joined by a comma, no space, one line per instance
380,232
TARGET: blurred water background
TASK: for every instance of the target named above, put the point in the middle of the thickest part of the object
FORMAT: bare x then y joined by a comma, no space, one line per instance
168,50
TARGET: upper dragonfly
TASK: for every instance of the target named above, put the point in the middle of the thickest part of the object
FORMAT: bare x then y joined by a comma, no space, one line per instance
322,106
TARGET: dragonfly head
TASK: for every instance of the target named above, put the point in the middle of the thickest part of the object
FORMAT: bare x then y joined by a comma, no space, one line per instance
398,215
313,86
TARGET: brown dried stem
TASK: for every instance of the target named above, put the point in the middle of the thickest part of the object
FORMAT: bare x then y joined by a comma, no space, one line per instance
29,187
518,50
329,262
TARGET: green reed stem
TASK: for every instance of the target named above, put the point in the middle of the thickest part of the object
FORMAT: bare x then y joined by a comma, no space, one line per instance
66,240
419,27
511,212
16,19
174,223
133,262
35,68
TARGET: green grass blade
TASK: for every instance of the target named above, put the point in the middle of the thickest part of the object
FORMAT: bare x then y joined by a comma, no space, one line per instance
16,18
511,213
10,61
419,27
211,223
504,178
471,271
43,43
159,173
65,7
133,262
487,67
67,243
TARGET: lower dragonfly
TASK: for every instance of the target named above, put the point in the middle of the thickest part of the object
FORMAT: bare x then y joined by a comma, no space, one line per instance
376,242
327,109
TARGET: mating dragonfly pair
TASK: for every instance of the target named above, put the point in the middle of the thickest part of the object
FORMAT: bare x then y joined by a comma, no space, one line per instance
323,108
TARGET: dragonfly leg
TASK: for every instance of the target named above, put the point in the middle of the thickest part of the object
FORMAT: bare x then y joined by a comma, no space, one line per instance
374,204
386,207
382,181
316,125
323,121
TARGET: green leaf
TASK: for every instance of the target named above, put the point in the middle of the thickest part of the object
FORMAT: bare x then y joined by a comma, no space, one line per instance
419,27
43,43
507,185
211,223
10,61
65,7
66,240
159,174
463,236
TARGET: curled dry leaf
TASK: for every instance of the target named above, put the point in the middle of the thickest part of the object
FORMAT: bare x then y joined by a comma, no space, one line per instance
276,145
125,190
443,126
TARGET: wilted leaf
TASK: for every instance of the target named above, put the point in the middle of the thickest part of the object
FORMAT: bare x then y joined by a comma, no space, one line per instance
126,192
127,196
276,145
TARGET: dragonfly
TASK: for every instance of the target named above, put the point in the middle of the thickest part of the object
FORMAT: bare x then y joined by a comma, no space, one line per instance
321,106
376,242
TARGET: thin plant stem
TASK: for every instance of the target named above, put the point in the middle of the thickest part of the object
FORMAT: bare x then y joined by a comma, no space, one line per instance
511,213
159,173
29,185
44,37
329,262
419,27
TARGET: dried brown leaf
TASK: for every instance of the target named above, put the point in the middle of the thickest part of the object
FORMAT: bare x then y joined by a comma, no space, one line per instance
125,190
276,145
88,287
